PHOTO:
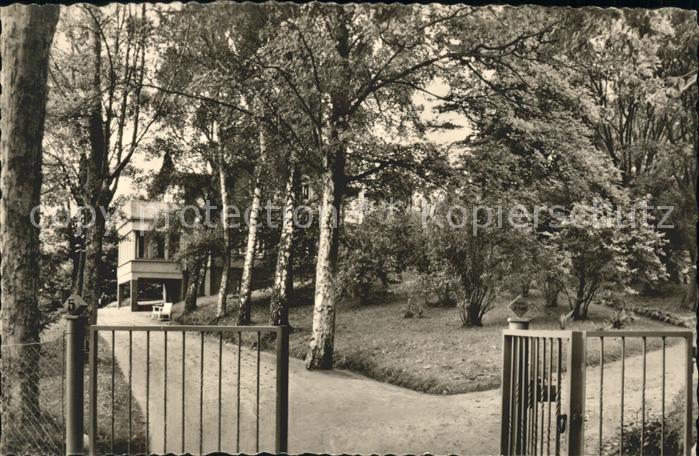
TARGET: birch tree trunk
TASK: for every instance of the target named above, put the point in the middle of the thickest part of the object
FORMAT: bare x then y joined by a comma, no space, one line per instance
687,229
27,34
281,291
225,201
689,300
320,353
248,264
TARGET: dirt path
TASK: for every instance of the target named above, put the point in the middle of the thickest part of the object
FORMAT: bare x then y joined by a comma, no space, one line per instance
335,411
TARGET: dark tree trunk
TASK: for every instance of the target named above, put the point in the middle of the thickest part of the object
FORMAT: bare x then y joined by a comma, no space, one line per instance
195,275
551,291
583,298
689,300
93,265
474,315
27,34
77,248
95,194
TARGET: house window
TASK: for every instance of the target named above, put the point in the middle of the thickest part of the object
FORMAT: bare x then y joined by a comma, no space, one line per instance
305,189
158,245
154,245
173,245
140,244
150,245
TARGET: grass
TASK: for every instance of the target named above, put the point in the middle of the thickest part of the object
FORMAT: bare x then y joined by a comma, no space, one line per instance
669,301
432,354
51,402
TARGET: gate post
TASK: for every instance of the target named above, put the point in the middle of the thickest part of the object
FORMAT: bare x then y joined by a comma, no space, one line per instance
282,415
576,393
514,393
75,371
506,394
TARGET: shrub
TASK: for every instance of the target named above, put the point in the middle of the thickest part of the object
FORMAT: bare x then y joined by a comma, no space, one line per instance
412,310
438,289
373,251
472,265
606,254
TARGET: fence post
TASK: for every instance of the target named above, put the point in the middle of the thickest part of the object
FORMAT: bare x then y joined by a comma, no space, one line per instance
282,424
75,371
506,394
576,393
689,384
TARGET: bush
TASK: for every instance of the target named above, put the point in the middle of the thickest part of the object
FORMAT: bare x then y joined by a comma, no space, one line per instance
412,310
374,251
469,266
440,286
605,253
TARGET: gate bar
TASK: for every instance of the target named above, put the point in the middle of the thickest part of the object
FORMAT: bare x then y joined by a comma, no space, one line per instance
186,328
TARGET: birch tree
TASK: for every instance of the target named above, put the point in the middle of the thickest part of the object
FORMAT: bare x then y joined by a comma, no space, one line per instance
283,276
351,67
245,291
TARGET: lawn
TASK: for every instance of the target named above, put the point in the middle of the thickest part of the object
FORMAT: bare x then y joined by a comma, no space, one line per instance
432,354
669,301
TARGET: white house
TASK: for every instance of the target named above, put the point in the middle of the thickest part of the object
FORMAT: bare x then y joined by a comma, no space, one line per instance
146,269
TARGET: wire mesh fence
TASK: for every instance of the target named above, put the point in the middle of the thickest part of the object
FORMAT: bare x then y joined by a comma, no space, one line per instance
32,380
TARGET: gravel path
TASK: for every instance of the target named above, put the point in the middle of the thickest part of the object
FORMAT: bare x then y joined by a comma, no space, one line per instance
336,411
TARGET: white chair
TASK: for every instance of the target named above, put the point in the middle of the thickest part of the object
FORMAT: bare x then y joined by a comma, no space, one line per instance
162,311
156,307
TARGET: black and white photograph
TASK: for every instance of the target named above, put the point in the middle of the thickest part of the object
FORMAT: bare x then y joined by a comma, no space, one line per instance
348,228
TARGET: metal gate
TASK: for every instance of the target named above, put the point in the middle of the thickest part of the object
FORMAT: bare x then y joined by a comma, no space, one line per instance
193,389
544,390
